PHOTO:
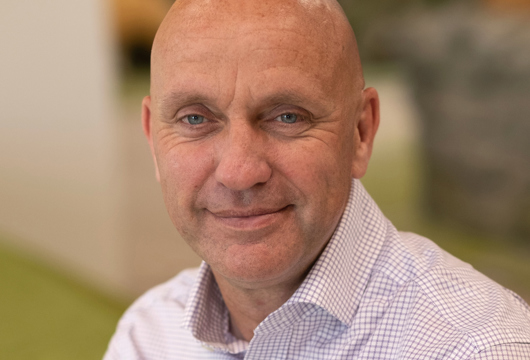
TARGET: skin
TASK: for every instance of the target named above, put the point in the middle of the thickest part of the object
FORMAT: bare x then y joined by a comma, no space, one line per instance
257,122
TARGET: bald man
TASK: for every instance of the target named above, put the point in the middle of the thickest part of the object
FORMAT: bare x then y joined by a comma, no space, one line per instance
260,127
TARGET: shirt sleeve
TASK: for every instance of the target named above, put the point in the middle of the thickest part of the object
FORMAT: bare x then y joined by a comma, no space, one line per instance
515,351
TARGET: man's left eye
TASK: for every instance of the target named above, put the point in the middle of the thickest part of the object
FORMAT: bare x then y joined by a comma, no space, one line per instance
195,119
288,118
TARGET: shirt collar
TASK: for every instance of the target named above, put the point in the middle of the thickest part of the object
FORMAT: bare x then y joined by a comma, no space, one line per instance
206,314
339,277
335,283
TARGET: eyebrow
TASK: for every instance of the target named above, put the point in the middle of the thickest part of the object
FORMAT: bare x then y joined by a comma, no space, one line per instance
316,107
173,101
285,97
170,103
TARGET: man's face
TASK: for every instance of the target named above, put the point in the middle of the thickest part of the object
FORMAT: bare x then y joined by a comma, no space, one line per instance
253,128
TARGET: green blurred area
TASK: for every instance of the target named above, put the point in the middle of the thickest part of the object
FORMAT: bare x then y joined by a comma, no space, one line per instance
45,315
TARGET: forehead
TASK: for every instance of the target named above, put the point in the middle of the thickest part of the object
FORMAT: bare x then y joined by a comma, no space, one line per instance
251,48
257,46
256,55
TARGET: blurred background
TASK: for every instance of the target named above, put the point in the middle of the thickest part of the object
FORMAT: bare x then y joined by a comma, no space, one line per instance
83,228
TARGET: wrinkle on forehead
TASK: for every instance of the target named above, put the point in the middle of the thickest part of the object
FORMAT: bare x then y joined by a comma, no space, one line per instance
321,23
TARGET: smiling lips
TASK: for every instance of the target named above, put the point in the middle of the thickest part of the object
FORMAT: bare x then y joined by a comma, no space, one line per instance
249,219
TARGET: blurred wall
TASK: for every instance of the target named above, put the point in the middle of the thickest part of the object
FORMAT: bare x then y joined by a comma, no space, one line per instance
57,155
470,71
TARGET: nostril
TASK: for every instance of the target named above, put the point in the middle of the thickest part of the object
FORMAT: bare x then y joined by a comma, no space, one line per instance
242,174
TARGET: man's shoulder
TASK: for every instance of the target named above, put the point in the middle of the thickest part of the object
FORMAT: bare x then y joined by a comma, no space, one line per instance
408,259
430,287
152,326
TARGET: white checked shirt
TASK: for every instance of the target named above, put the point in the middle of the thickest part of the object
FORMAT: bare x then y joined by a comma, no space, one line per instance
374,293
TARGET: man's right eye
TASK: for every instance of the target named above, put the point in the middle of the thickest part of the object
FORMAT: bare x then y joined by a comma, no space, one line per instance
194,119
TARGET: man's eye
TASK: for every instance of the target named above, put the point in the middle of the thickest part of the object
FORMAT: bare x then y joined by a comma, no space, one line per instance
194,119
287,118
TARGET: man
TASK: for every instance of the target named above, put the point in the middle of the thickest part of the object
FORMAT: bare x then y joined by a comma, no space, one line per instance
258,121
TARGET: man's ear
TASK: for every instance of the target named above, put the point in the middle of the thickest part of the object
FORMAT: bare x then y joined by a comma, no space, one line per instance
365,131
146,124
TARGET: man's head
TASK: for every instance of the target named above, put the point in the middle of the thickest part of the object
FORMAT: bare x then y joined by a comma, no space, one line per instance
258,121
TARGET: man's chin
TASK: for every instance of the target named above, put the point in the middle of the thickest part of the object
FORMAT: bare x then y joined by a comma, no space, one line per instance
255,265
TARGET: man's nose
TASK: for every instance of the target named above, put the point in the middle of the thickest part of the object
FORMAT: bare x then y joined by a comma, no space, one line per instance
242,160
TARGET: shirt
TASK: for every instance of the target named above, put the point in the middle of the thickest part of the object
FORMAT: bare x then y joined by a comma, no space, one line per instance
373,293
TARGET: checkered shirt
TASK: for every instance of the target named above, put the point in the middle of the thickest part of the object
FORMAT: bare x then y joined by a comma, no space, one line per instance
374,293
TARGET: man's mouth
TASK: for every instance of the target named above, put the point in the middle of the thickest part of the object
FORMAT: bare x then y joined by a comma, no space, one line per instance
249,219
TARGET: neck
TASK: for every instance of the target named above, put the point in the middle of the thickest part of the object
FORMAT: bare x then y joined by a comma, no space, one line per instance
248,307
